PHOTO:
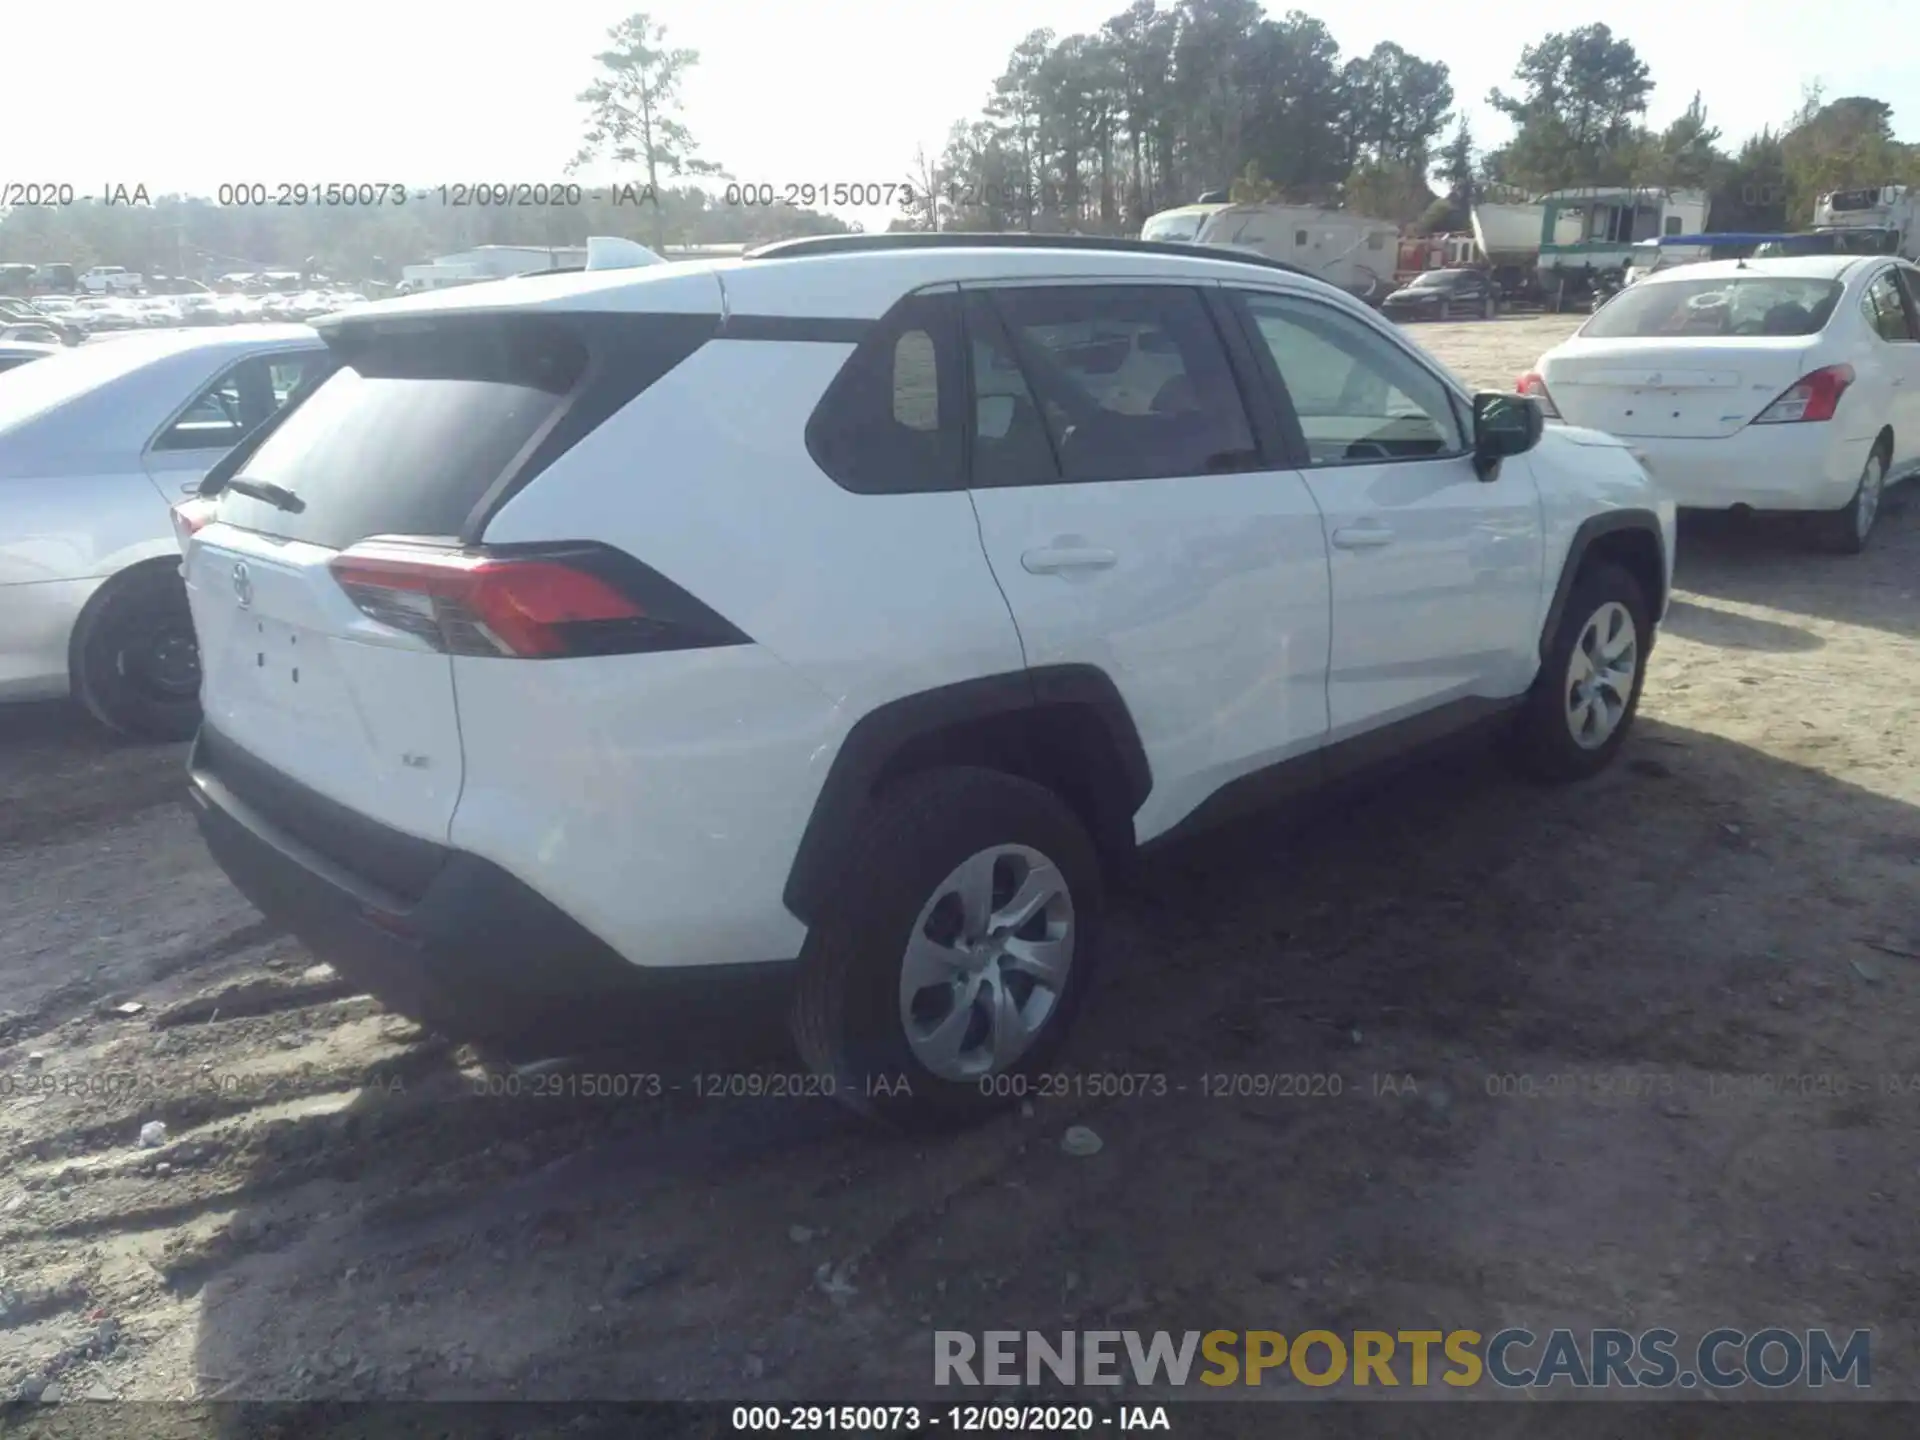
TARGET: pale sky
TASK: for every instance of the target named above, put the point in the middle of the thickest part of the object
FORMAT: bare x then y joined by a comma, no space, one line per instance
181,96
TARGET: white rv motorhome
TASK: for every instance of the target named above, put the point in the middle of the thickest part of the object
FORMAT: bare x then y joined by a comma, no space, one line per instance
1352,251
1893,210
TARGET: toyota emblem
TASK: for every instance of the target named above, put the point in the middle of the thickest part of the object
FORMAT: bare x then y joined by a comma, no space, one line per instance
242,586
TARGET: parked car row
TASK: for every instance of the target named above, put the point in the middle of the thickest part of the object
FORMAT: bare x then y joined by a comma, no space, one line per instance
101,314
96,442
1782,384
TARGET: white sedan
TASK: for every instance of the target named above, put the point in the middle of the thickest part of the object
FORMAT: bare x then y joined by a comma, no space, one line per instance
1774,384
96,444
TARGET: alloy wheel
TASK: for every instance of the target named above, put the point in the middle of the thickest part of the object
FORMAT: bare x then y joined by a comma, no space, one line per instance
986,962
1600,675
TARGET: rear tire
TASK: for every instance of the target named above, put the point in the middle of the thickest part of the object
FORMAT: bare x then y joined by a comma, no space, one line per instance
1847,530
1584,699
133,658
927,934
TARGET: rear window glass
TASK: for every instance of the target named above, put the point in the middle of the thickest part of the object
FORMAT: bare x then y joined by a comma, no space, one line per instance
1740,305
413,430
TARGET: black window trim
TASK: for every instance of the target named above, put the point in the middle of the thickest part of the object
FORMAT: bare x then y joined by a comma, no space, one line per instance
1269,447
153,445
969,417
1233,293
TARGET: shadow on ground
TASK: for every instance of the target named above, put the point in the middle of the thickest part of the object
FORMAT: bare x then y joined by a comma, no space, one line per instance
1763,560
1691,918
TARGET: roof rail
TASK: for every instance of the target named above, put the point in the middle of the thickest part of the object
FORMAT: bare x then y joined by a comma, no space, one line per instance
998,240
556,270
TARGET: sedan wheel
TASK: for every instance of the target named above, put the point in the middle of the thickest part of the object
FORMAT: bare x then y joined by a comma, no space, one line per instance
1845,531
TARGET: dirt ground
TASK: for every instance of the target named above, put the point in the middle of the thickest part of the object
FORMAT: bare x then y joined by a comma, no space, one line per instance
338,1209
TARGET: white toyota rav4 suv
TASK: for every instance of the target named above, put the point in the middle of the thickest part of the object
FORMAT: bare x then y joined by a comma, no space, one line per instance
824,623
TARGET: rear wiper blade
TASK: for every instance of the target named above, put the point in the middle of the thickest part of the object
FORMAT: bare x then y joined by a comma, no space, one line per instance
277,496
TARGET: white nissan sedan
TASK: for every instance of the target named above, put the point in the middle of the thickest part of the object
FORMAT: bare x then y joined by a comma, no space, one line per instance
96,444
1776,384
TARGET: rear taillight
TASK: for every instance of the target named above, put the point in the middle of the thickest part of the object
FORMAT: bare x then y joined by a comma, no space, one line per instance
1532,384
189,517
527,605
1811,397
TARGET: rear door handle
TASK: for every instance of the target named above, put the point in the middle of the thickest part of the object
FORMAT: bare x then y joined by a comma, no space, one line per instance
1362,537
1050,561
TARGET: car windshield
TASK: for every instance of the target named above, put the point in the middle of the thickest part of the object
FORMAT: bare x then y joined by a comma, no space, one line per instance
1440,280
35,389
1726,305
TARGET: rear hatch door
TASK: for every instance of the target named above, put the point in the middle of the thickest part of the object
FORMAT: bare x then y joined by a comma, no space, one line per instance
409,437
1657,388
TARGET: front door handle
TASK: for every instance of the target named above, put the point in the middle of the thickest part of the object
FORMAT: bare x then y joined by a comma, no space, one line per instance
1051,561
1362,537
190,487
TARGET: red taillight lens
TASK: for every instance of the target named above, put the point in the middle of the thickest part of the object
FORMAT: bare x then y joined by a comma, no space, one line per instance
1532,384
524,606
1811,397
190,517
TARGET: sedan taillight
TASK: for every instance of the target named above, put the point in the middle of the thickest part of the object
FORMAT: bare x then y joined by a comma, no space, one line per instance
1532,384
189,518
1812,397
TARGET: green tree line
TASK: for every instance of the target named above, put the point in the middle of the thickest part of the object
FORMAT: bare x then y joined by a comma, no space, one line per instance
1098,131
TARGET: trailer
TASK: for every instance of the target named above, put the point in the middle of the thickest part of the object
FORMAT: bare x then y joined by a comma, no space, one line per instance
1589,233
1508,236
1880,219
1355,252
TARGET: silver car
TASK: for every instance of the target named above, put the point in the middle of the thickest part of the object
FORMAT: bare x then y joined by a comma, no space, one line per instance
19,352
96,445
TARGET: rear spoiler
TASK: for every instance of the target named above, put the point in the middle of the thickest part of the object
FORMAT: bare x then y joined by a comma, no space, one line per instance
228,465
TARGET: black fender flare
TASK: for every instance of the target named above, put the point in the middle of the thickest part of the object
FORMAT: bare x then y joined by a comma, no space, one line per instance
883,734
1608,522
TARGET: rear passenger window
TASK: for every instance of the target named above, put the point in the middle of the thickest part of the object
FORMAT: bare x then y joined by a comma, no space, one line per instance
1886,309
889,423
1131,381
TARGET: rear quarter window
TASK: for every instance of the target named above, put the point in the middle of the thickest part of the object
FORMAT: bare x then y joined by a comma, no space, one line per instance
889,423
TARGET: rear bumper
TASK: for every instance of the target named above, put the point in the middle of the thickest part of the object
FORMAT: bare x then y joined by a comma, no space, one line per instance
1769,467
473,952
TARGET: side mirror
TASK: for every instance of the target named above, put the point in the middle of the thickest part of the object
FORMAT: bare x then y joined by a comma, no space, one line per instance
1504,424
